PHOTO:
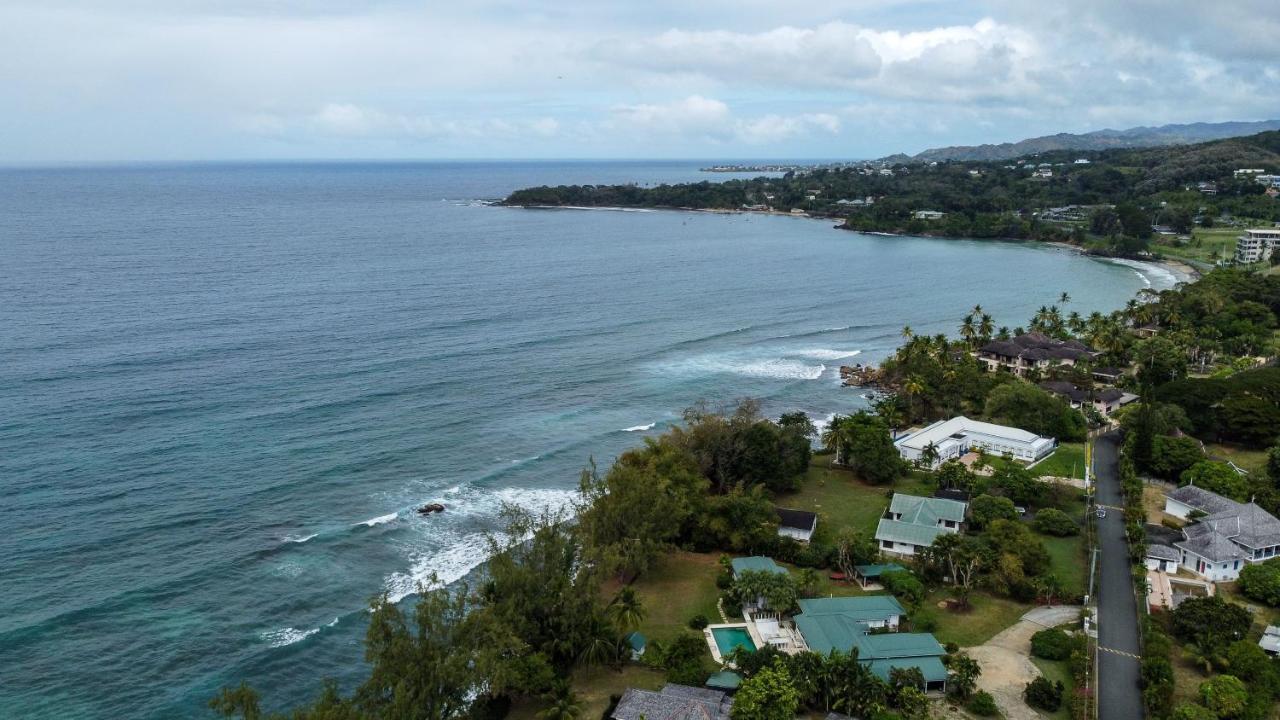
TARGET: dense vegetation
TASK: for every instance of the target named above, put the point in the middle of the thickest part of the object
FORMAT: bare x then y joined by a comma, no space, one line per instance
990,199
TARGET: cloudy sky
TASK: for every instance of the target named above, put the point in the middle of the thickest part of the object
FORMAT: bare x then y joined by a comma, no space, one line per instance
105,80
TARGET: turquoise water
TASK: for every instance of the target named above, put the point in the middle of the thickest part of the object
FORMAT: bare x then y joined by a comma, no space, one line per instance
226,387
729,639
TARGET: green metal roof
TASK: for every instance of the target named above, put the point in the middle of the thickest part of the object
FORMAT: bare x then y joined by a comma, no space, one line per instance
874,571
636,640
931,667
905,532
926,510
859,608
724,680
757,563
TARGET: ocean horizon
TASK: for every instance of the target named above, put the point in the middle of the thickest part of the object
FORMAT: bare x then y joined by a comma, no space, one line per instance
230,385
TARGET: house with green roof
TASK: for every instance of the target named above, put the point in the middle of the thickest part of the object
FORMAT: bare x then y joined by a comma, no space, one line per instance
756,563
913,522
870,574
845,625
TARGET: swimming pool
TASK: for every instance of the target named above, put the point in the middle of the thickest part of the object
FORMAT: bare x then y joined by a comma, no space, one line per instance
729,639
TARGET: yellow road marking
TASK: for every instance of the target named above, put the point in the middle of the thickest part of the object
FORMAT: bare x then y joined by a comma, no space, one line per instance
1120,652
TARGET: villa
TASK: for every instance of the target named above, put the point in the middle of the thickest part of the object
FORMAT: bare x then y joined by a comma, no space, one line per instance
845,624
1032,351
914,522
1104,400
673,702
1226,534
959,435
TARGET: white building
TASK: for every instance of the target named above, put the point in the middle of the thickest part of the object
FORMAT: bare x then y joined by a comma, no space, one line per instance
959,435
1226,534
928,214
1082,161
1256,245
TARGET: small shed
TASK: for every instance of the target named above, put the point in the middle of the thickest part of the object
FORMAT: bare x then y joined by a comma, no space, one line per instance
1162,558
796,524
636,643
870,574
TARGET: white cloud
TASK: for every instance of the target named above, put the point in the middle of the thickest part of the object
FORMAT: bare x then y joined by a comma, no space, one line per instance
710,119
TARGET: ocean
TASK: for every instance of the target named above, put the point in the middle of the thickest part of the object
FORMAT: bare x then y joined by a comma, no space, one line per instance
225,388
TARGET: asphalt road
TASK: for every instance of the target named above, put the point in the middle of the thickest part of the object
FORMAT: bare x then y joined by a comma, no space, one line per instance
1119,697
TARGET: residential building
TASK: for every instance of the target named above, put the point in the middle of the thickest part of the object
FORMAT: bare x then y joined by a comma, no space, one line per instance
1225,534
1256,245
1033,351
1207,188
673,702
1270,641
1162,558
796,524
913,522
1104,400
1271,181
1246,172
1107,374
1082,161
1043,172
827,624
959,435
755,563
928,215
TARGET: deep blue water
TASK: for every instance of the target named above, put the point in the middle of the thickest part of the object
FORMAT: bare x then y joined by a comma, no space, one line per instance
224,388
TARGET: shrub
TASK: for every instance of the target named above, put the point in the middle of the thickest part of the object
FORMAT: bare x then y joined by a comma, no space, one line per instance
1188,711
683,660
698,622
982,704
1040,693
1052,521
904,585
985,509
1225,695
1261,582
1051,644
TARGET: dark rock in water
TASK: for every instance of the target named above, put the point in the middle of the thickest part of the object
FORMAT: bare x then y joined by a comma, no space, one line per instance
432,508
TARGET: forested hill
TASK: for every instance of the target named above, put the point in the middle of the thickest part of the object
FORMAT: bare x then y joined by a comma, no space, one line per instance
1008,199
1138,137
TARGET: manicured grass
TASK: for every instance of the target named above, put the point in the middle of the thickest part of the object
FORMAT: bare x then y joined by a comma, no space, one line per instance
595,688
680,586
986,616
1067,461
839,497
1206,245
1068,562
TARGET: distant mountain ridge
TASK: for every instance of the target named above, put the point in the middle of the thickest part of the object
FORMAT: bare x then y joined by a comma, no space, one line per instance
1136,137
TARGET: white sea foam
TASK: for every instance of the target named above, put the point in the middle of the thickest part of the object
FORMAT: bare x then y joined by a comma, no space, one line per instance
1154,276
297,539
450,553
770,368
827,353
381,519
639,428
287,636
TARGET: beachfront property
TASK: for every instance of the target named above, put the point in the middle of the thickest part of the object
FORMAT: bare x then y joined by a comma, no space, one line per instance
952,438
928,214
1029,351
673,702
1256,245
913,522
1225,534
799,525
1105,400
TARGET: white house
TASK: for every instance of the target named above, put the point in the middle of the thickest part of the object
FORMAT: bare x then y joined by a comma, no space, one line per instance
1226,534
959,435
1162,558
913,522
796,524
928,214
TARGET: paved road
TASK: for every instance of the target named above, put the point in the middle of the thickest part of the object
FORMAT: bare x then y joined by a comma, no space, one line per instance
1119,697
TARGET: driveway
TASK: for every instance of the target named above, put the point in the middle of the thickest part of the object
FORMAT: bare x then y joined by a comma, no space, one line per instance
1006,659
1119,697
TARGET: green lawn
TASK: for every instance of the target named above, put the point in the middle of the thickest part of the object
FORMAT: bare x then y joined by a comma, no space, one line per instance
987,616
680,586
1066,461
1254,461
839,497
1069,564
1206,246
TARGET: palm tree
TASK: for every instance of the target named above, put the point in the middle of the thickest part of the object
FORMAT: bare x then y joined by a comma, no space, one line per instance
912,387
968,330
1064,298
836,436
906,332
562,704
985,327
625,609
929,455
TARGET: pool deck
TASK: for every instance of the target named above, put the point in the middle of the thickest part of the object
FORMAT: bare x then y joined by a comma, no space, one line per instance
715,647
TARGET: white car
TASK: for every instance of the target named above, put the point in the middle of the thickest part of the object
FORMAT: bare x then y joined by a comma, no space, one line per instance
1102,512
